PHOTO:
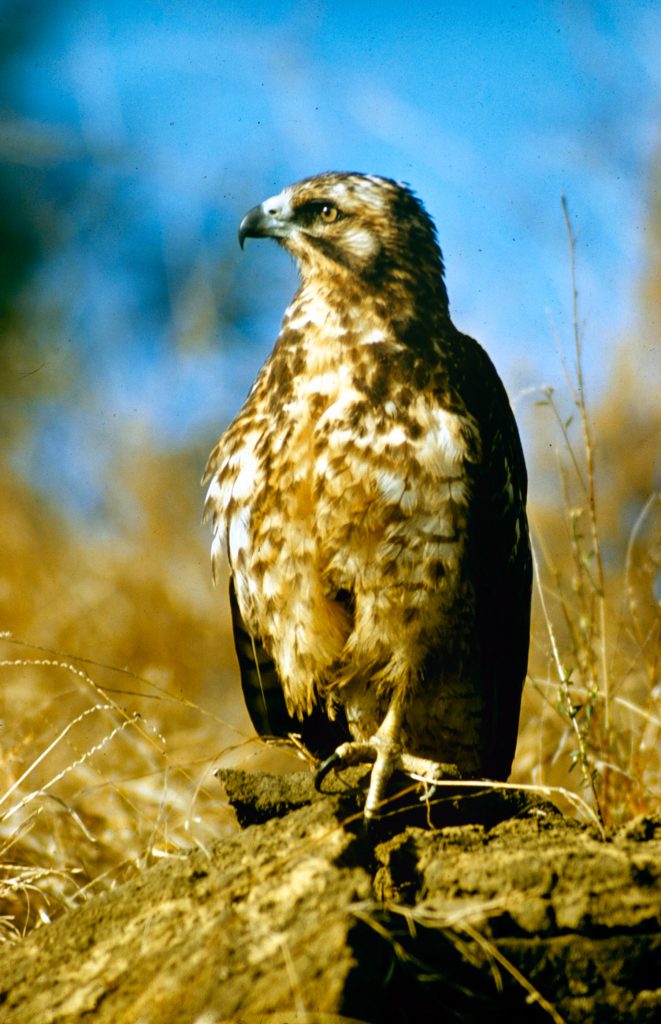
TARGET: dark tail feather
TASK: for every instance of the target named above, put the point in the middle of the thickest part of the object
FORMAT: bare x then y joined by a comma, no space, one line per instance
265,700
261,687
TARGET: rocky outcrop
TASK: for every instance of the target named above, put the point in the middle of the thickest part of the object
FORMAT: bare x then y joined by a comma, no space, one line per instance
497,909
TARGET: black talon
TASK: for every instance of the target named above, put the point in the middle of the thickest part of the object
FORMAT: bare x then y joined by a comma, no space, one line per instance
333,761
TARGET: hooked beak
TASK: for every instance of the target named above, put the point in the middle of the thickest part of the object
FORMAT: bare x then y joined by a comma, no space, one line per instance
271,219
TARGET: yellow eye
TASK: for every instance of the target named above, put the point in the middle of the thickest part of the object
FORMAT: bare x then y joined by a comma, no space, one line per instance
328,213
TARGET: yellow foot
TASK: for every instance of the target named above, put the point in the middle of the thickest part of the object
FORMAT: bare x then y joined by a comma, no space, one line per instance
387,758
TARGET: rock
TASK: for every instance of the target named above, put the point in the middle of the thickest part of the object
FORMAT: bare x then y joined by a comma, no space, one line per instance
502,910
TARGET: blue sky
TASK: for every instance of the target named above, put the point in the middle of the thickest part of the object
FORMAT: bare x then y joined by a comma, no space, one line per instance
180,116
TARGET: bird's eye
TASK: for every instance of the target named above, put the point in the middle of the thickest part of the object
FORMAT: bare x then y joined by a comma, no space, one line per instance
328,213
317,210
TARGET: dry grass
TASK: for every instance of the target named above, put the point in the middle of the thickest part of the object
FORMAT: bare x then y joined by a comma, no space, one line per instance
592,713
108,754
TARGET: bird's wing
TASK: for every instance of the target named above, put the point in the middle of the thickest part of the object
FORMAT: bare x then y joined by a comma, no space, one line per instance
501,560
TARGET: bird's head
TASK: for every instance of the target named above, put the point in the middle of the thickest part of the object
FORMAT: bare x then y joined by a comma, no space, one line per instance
372,227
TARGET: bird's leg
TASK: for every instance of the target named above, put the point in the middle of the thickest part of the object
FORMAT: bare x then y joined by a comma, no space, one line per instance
386,741
384,748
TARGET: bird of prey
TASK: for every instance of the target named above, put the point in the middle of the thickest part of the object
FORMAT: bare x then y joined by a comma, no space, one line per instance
370,500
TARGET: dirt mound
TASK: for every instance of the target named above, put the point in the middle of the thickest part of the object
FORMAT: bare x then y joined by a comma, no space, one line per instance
498,909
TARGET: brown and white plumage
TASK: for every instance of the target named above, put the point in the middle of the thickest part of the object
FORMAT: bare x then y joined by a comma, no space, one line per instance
370,498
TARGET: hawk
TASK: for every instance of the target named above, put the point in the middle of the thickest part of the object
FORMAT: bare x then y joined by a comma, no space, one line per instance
370,500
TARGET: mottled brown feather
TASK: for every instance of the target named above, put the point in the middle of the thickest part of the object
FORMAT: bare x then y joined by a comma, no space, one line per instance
370,494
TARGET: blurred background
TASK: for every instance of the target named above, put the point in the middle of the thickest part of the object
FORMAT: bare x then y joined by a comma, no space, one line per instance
133,137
